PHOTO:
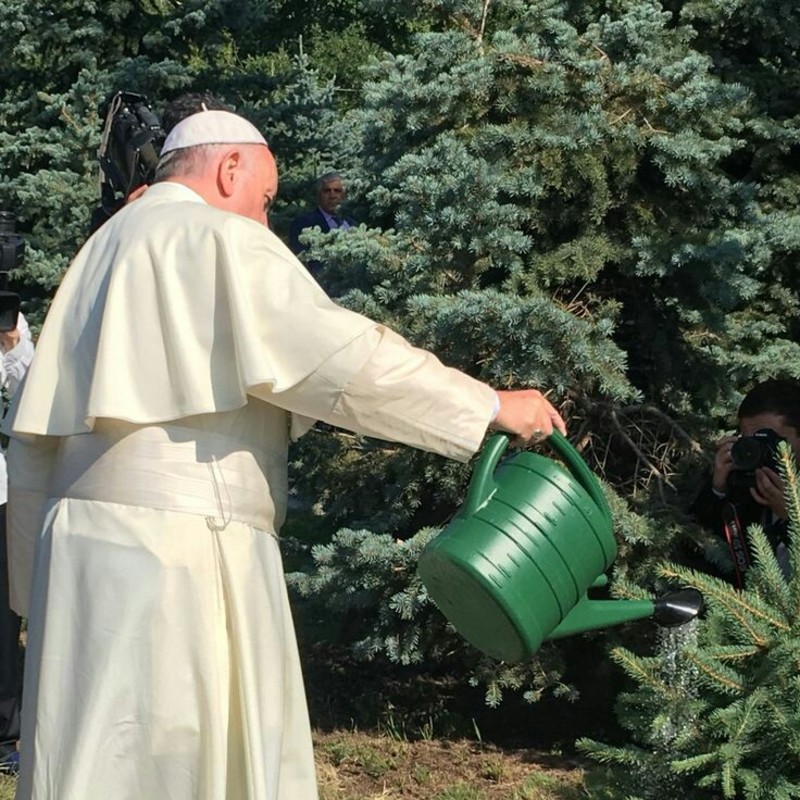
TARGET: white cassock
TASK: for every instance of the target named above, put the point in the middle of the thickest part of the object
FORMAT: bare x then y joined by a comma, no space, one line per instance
148,484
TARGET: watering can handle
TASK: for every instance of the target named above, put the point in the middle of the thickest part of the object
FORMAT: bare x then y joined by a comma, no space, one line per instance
580,470
482,483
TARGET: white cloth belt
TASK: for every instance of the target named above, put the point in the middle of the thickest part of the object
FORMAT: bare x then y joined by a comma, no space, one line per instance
168,467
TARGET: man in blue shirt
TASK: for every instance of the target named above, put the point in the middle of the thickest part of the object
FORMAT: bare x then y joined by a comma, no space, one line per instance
330,194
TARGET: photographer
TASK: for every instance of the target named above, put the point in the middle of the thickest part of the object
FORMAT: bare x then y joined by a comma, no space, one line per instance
745,487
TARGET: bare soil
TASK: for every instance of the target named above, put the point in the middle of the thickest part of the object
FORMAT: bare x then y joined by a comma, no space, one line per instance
360,766
382,731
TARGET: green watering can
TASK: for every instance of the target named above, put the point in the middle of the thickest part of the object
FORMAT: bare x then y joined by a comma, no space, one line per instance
513,567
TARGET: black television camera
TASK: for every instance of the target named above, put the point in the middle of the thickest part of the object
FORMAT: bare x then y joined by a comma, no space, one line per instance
749,453
12,249
130,148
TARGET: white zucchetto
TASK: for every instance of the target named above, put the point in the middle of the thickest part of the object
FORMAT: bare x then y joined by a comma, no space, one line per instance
212,127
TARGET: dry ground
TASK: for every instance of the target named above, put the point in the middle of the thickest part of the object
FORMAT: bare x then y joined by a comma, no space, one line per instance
356,766
359,766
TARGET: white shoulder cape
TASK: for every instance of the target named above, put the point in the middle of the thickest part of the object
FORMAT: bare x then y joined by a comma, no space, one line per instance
175,308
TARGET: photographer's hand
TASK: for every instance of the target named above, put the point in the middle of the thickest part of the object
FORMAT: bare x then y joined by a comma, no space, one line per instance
723,464
136,193
768,491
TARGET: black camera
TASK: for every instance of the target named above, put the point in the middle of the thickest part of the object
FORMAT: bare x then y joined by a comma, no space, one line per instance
130,148
12,249
749,453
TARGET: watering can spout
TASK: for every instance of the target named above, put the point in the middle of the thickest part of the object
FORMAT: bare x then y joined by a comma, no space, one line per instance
676,608
673,608
590,615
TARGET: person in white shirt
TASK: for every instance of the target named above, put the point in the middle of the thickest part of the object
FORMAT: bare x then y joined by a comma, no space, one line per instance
16,352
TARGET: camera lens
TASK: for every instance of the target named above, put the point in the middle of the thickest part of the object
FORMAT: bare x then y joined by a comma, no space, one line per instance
747,453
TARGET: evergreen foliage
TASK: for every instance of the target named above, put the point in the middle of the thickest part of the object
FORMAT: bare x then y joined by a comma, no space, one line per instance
716,711
593,153
547,202
296,107
62,63
597,197
553,194
364,589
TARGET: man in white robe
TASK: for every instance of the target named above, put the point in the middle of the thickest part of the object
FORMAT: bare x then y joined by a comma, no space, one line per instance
148,464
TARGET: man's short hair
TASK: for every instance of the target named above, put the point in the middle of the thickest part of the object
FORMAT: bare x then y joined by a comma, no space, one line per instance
187,161
190,103
774,396
325,179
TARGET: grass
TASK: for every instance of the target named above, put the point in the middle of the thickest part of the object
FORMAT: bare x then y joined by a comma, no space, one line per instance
359,766
368,745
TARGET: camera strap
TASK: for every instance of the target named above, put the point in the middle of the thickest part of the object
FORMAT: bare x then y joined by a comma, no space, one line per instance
737,543
129,148
105,140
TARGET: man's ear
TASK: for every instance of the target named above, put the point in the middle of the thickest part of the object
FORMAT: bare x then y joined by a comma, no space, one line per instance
227,171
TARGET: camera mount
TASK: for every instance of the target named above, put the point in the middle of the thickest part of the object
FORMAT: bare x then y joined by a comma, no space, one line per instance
130,147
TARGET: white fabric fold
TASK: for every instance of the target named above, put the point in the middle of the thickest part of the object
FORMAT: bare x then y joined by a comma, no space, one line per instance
158,321
399,393
159,466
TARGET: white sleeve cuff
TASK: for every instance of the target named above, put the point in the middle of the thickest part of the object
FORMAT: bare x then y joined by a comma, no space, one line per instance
495,407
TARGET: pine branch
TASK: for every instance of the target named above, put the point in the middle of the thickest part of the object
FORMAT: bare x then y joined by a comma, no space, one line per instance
643,670
694,763
630,756
740,605
766,576
525,61
639,454
625,589
719,675
734,653
649,408
791,493
482,26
